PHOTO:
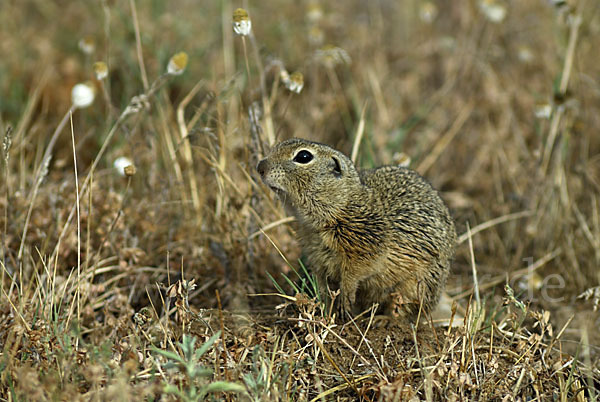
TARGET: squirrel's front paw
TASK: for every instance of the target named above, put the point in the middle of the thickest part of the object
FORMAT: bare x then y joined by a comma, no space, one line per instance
345,306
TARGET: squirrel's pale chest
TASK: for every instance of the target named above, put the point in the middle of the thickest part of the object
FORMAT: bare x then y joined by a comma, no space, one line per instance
335,256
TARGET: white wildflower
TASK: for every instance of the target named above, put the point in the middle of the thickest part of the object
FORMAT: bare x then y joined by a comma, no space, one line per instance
82,95
524,54
121,163
543,111
177,63
492,10
314,12
295,83
241,22
101,70
401,159
427,12
87,45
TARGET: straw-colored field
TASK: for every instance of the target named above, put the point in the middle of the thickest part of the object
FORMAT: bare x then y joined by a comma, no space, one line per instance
167,281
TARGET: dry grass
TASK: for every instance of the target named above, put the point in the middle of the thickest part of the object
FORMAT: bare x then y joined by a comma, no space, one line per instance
96,267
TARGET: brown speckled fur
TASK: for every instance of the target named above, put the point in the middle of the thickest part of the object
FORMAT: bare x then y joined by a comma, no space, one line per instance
379,235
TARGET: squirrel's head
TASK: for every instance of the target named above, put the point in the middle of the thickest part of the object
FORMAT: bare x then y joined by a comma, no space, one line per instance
312,179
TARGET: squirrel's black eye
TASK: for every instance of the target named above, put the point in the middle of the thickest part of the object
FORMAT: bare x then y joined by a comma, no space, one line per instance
303,157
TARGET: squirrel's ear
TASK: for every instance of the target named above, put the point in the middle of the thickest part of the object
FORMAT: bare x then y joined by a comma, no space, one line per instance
338,165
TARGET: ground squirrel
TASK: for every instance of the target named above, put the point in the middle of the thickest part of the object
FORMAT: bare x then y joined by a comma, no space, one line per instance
379,235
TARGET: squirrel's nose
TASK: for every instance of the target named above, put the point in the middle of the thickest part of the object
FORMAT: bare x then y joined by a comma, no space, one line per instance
262,167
